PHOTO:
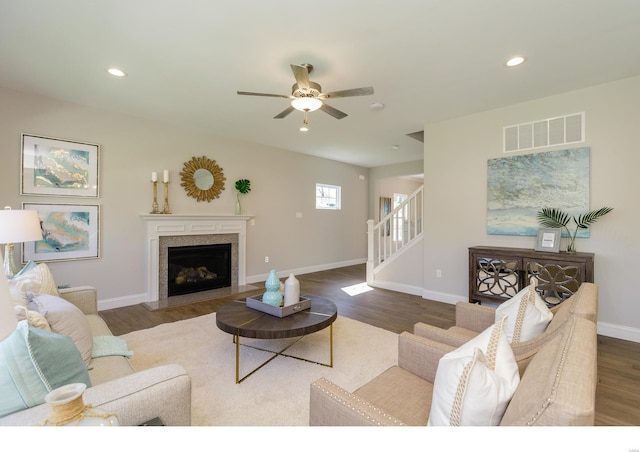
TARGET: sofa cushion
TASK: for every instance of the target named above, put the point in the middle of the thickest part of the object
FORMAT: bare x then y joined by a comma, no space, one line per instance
66,319
401,394
475,382
528,315
37,279
559,384
33,362
34,318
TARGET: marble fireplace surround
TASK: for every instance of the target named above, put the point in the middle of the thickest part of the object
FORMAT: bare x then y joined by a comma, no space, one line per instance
191,229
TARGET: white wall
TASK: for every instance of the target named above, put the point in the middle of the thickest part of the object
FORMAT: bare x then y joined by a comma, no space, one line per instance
283,184
382,173
388,186
455,167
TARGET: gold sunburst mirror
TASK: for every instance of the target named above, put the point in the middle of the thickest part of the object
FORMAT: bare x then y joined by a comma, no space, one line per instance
202,179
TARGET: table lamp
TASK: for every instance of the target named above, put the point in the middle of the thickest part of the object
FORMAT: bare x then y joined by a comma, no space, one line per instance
17,226
8,320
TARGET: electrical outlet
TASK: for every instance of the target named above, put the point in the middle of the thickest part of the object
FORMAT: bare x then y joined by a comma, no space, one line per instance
266,259
438,273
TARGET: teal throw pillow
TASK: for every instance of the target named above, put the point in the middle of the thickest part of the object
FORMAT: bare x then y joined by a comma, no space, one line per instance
33,362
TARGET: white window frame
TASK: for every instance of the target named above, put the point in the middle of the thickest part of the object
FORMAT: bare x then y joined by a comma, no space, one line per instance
400,217
325,193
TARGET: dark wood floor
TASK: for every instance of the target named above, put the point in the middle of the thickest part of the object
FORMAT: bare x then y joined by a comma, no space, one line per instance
618,390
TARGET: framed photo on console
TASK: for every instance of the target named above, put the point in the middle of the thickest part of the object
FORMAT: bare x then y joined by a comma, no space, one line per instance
549,240
55,167
69,231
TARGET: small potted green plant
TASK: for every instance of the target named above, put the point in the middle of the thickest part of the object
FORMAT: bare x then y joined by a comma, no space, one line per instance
551,217
243,186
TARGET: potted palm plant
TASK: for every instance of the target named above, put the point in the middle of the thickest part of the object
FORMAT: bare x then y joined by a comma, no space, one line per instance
243,186
551,217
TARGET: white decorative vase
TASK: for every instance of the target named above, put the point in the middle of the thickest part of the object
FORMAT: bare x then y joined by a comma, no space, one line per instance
67,408
291,290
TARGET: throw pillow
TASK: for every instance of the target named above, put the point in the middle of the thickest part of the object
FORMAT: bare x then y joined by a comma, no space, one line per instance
475,382
27,268
38,279
33,362
66,319
528,315
34,318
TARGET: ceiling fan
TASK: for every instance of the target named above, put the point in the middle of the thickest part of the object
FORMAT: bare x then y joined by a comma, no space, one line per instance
307,95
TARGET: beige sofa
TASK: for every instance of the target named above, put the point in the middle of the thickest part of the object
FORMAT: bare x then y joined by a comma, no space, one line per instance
557,386
471,319
163,392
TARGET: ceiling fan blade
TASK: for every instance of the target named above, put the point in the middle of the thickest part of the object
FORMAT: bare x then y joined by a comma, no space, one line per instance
284,113
349,93
301,73
332,111
247,93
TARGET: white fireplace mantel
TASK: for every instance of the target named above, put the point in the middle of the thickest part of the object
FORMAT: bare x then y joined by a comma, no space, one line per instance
163,225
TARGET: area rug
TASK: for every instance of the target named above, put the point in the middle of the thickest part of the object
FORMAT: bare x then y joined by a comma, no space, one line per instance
278,393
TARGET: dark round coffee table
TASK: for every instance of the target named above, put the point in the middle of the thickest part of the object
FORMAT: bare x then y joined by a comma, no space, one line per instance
238,320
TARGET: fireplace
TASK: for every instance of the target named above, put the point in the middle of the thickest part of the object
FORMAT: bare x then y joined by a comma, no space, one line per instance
169,231
198,268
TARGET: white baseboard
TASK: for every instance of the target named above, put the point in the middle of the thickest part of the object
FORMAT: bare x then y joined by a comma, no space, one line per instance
303,270
120,302
443,297
619,332
605,329
129,300
412,290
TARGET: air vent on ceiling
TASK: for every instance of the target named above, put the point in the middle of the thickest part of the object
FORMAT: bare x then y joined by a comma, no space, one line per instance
545,132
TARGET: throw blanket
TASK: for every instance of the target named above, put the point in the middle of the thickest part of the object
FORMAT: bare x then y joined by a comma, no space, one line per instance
110,346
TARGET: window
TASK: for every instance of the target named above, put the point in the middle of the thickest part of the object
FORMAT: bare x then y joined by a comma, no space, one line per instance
400,217
327,197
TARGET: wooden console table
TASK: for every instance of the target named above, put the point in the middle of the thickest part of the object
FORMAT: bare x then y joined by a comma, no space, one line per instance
498,273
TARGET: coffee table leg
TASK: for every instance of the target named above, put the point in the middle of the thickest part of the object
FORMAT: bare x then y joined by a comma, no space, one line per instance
236,338
331,345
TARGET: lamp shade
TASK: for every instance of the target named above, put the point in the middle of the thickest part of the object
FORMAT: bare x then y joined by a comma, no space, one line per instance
19,226
306,103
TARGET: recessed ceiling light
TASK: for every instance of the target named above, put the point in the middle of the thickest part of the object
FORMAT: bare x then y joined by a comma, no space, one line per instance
516,61
116,72
376,106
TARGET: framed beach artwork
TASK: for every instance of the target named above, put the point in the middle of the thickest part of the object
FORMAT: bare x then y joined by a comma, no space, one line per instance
519,186
55,167
69,231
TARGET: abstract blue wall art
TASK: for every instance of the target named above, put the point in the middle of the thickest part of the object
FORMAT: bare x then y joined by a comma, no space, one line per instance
519,186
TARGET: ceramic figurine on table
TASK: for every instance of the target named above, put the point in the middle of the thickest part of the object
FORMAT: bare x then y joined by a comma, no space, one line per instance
291,290
272,296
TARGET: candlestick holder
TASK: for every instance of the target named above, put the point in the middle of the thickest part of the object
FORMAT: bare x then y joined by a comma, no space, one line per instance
166,209
154,206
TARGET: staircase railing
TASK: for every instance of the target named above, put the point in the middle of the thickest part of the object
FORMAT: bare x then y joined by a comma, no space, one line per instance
399,228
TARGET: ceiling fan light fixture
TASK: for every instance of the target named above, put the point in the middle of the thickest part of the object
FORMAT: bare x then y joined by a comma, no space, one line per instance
306,103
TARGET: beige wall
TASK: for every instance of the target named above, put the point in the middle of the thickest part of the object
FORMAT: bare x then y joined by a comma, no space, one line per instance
455,166
283,183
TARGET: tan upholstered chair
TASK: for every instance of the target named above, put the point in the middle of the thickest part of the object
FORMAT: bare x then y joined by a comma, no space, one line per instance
472,319
557,387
